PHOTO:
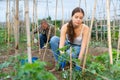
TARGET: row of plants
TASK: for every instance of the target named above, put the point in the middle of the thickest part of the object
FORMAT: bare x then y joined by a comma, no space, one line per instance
100,66
97,67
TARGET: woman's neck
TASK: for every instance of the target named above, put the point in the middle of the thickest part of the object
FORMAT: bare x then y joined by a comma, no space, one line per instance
76,27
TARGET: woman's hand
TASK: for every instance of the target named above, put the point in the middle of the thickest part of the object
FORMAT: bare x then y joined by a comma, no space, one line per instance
61,52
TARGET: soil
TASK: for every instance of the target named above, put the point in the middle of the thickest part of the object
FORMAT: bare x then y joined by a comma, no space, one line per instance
49,59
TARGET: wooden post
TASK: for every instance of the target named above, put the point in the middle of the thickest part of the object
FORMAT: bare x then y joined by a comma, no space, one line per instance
56,15
33,23
109,31
28,31
36,24
118,46
62,12
8,21
70,63
96,30
89,36
86,16
16,27
79,2
115,19
101,29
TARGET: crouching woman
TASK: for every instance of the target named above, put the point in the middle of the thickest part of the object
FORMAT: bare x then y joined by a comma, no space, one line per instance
74,33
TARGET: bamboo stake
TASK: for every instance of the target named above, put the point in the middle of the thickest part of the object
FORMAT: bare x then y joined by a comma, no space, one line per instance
96,31
86,19
101,28
89,36
47,8
28,31
48,36
109,31
100,17
8,21
36,25
118,46
13,16
33,24
10,24
79,2
70,63
56,15
104,24
62,12
16,27
114,22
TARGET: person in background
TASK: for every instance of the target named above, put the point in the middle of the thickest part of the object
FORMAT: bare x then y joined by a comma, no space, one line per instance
74,33
46,31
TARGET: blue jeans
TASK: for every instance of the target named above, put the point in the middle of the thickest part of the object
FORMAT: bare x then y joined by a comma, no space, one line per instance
43,40
54,43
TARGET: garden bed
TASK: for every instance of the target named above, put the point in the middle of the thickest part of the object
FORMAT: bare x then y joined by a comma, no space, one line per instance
49,59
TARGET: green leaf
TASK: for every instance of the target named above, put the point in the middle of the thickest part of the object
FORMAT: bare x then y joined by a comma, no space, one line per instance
93,71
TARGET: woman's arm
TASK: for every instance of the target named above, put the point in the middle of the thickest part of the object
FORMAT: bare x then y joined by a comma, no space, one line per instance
63,35
84,42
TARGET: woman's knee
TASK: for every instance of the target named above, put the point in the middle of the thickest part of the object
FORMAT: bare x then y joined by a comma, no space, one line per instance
54,39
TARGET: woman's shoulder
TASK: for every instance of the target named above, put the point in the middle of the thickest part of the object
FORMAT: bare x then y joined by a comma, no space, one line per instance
65,26
85,27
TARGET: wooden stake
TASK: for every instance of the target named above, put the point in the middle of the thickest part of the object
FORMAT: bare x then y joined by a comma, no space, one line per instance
33,23
48,36
16,27
89,37
56,15
36,25
70,63
62,12
28,31
109,31
118,46
8,21
79,3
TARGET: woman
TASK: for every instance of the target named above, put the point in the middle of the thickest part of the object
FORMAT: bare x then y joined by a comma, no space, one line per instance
73,33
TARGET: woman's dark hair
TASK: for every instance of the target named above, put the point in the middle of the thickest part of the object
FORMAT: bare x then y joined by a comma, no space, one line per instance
70,29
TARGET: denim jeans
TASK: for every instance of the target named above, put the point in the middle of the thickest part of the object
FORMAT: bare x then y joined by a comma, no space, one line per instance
43,40
54,43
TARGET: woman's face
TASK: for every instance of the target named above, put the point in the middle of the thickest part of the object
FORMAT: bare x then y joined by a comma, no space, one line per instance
77,19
